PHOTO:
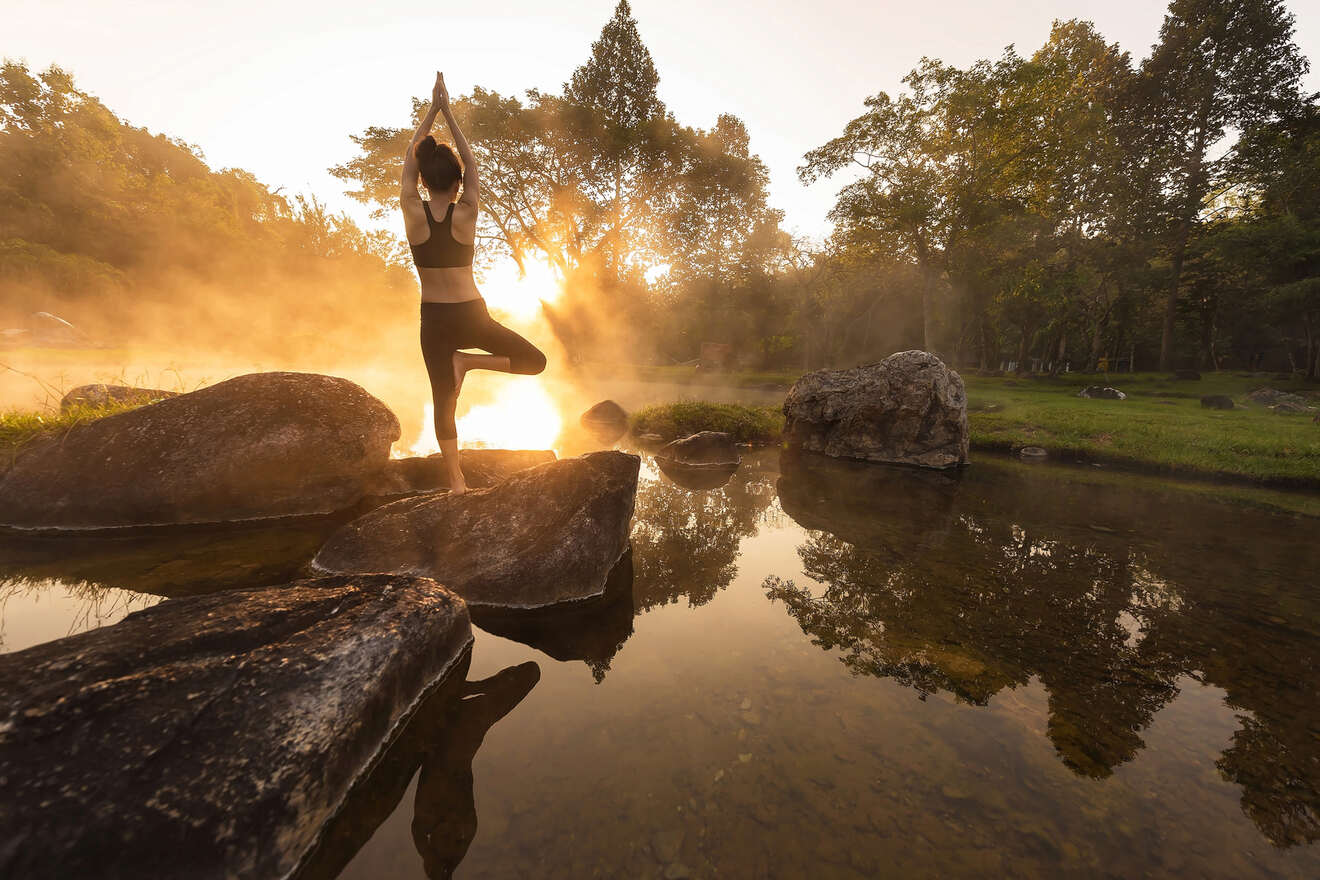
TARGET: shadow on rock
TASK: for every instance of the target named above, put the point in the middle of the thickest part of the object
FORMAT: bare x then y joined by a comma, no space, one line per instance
591,631
440,740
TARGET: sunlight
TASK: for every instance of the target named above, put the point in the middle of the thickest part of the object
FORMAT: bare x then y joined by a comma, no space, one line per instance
522,416
520,296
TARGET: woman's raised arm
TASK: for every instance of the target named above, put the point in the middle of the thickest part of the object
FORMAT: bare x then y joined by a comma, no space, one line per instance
471,186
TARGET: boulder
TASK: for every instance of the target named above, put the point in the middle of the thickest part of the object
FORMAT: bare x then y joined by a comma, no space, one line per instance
606,421
261,445
1287,407
592,632
1101,392
481,467
1216,401
213,736
703,449
907,409
100,395
1271,396
545,536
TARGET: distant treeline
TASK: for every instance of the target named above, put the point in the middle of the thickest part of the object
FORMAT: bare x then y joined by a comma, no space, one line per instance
1070,207
130,235
1073,207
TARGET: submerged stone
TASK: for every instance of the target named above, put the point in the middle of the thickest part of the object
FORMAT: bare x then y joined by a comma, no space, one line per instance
261,445
703,449
547,535
907,409
212,736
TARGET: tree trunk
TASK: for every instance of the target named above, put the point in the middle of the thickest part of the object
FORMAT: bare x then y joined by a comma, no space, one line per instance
1191,207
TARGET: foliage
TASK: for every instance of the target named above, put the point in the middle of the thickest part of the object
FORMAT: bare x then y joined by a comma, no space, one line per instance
130,234
746,424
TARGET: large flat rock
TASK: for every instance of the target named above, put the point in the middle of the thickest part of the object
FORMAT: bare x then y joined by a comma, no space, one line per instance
907,409
212,736
261,445
545,536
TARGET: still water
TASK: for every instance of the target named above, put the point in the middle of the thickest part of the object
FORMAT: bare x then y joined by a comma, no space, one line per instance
833,670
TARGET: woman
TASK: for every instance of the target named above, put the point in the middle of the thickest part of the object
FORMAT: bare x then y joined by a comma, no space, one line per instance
454,315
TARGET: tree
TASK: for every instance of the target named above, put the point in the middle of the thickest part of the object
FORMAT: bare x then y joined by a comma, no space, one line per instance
1218,64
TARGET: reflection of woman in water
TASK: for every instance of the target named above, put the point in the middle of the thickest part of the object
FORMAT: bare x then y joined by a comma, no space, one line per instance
445,814
454,315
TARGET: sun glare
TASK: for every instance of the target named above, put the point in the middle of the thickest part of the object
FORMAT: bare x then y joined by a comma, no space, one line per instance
520,296
523,416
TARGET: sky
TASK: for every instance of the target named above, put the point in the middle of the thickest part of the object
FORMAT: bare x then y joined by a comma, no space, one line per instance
277,86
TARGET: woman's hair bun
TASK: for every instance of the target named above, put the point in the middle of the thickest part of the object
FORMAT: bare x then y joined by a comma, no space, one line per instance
425,148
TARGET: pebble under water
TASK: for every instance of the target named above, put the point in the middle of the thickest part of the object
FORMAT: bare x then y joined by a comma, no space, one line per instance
835,670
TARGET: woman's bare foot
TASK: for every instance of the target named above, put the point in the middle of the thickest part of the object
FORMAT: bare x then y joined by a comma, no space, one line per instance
460,370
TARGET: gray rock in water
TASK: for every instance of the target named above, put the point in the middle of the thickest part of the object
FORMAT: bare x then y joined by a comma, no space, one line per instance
103,395
907,409
261,445
1101,392
543,537
212,736
607,421
1216,401
703,449
481,467
1033,453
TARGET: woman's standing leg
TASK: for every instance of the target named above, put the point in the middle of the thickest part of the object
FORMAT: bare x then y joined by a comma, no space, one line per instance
440,338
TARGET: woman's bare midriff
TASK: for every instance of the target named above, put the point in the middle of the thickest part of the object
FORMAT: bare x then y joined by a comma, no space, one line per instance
447,284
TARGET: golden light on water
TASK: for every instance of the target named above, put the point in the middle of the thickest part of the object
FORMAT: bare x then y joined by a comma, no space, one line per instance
522,415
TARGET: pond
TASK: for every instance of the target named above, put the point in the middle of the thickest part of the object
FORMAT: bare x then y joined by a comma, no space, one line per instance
830,669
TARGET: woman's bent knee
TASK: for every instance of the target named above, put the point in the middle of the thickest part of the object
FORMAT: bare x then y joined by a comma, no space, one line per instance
531,363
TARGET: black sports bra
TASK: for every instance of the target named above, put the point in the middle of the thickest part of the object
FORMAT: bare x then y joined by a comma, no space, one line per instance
441,250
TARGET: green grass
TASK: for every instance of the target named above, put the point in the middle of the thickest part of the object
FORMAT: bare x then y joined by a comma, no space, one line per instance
686,375
1161,427
747,424
19,427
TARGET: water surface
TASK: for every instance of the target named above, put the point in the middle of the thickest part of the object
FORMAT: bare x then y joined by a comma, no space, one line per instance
825,669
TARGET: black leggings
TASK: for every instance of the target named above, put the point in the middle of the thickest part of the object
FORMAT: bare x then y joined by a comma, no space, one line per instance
447,327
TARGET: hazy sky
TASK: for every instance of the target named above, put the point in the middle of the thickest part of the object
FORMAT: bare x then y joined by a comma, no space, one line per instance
276,87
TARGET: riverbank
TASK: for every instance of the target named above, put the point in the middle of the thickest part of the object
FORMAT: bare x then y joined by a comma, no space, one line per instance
1161,428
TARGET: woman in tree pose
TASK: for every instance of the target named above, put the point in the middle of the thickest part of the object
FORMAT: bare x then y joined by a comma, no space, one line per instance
454,315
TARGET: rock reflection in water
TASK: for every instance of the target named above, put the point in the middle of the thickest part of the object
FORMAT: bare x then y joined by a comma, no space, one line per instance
973,587
437,747
592,632
685,543
172,561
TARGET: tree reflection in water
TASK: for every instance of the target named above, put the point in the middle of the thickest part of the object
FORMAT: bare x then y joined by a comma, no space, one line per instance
969,586
685,541
437,746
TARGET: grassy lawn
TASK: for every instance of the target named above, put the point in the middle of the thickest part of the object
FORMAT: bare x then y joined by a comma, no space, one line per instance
1161,427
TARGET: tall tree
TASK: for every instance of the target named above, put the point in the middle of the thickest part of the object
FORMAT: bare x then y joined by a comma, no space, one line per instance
623,137
1218,64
